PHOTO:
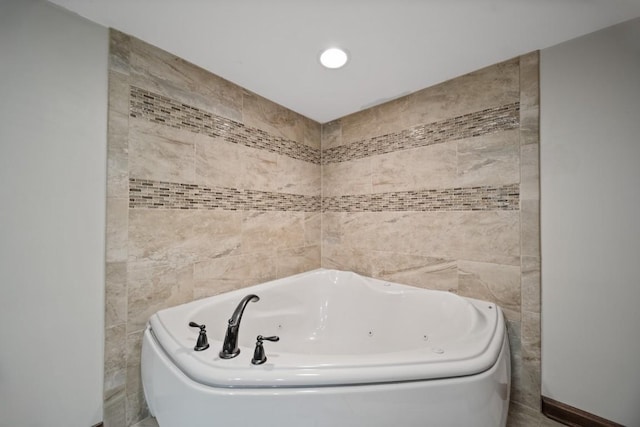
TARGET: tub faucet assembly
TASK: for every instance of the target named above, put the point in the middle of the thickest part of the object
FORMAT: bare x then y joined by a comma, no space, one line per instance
230,346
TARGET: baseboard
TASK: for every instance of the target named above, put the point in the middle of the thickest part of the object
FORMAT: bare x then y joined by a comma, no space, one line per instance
571,416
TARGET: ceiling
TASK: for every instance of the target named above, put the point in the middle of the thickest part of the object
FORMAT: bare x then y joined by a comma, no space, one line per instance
395,46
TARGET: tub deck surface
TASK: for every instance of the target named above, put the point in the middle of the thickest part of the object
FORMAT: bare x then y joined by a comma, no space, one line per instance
335,328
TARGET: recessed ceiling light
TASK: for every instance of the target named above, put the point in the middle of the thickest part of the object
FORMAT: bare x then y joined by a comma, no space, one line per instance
333,58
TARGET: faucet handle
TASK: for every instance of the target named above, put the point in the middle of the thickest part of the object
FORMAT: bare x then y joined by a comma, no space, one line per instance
202,343
259,356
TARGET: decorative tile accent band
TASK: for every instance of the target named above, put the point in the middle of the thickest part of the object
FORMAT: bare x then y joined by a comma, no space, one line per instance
148,194
160,109
474,124
486,198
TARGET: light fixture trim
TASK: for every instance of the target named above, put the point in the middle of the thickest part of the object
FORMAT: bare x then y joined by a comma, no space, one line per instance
334,58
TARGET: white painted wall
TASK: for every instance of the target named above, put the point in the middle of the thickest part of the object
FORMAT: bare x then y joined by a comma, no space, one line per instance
590,201
53,115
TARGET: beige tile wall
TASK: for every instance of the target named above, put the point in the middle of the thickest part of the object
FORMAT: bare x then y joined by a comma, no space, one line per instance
159,256
481,252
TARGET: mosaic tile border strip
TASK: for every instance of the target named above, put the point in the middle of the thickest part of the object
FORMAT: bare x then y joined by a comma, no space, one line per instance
478,123
146,194
161,109
485,198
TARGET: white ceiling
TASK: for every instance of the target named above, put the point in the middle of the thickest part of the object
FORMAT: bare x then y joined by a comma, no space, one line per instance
396,46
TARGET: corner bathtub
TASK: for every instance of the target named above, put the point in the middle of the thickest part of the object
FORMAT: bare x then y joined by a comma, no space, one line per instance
353,351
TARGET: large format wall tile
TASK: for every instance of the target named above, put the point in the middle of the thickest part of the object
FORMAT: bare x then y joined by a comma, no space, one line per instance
416,270
379,120
530,172
297,260
479,236
154,286
178,237
271,117
530,80
489,159
228,273
530,218
308,182
116,230
117,155
531,284
115,294
405,232
492,282
352,177
134,356
347,258
272,231
217,163
115,360
529,125
119,92
176,78
159,158
331,134
119,51
485,88
312,228
259,169
411,169
489,236
312,133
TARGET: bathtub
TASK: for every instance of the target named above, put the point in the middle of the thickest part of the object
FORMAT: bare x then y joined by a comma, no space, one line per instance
353,351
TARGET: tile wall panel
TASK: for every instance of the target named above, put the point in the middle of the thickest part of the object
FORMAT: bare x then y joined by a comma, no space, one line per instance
210,188
439,189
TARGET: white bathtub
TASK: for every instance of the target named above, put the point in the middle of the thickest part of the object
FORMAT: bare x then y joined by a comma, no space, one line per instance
353,351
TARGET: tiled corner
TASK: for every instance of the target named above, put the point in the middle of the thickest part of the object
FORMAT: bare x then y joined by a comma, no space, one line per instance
297,260
275,119
212,188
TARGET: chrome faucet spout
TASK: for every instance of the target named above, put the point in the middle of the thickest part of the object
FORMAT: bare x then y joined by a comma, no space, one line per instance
230,346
